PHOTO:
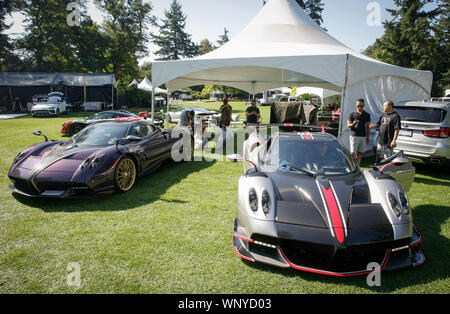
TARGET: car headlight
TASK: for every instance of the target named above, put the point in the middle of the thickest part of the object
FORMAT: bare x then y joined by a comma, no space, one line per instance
265,202
404,202
92,162
253,200
394,205
97,161
86,163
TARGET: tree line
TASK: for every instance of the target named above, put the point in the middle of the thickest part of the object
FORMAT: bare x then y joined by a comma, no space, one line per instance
415,37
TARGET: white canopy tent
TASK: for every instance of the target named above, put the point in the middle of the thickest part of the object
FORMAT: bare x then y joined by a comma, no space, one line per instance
134,83
148,86
326,95
283,46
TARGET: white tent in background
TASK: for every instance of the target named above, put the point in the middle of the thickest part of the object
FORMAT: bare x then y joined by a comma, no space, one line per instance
283,46
134,83
326,95
147,86
284,90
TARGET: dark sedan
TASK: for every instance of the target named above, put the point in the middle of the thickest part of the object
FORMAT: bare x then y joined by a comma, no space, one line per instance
72,127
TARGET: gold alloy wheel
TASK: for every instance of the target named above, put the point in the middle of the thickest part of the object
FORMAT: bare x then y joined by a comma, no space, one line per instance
125,174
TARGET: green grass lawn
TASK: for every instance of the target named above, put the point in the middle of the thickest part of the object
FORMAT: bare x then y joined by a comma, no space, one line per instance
173,233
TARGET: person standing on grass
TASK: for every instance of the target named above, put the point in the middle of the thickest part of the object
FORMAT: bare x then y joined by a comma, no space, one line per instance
389,126
252,113
358,123
225,118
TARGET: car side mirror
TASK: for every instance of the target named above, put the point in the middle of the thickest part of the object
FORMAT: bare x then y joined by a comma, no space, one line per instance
132,138
401,160
39,133
125,140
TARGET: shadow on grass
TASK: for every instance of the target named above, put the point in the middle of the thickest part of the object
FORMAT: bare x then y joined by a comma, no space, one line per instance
146,190
429,219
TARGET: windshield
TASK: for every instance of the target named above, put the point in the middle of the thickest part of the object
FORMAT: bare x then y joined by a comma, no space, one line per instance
421,114
101,134
313,157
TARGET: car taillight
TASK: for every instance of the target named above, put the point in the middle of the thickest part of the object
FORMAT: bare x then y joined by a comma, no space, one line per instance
442,132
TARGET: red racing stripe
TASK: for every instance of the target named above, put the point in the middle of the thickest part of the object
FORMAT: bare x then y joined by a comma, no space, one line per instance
333,209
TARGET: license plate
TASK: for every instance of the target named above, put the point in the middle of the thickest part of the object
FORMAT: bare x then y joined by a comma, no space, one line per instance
406,133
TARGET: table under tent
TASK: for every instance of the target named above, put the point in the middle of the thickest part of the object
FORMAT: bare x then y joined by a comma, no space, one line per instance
283,46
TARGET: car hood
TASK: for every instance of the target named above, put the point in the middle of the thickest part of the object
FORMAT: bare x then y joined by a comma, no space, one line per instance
324,202
61,157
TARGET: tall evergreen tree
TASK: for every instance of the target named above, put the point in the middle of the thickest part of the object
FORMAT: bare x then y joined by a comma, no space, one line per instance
223,39
126,34
411,39
442,37
205,47
6,8
173,41
48,43
313,8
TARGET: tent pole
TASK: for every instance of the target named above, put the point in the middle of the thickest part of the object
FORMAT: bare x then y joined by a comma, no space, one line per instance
168,106
344,91
112,95
153,104
84,92
11,97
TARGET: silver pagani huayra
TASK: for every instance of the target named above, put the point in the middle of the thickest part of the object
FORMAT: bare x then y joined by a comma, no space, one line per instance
304,203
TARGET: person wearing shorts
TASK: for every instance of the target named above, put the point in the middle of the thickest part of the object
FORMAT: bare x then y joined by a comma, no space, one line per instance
358,123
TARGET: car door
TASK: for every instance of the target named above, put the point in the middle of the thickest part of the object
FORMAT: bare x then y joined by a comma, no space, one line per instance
152,145
400,168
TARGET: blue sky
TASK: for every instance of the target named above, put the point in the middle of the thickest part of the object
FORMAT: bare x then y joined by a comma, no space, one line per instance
346,20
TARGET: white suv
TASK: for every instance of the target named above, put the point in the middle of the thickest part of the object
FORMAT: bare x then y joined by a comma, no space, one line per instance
425,130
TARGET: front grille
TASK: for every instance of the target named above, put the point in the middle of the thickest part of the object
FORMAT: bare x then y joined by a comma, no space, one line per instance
307,254
61,186
58,186
349,259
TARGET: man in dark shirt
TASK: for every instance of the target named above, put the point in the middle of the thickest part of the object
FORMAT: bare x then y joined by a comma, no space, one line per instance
358,122
252,113
389,126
